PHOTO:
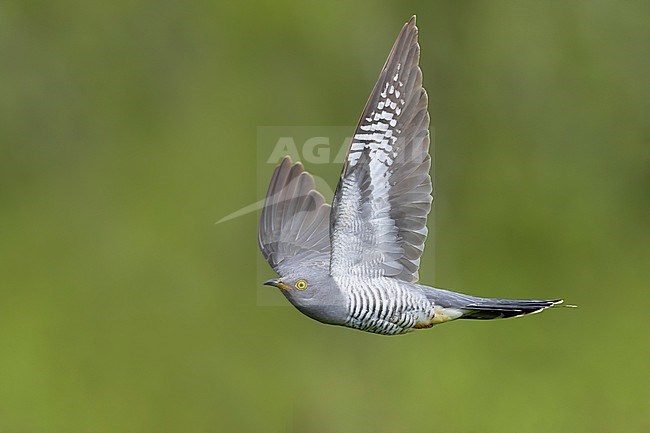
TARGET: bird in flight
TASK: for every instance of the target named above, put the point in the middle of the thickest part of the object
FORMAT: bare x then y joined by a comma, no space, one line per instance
355,263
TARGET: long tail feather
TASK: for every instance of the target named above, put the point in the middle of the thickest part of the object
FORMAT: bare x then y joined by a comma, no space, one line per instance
487,308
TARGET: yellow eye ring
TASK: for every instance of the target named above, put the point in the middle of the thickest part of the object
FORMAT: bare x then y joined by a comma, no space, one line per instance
300,285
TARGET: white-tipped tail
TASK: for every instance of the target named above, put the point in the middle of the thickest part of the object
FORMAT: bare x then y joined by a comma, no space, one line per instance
488,308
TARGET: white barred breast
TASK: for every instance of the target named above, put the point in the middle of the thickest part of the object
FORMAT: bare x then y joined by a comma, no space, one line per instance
385,305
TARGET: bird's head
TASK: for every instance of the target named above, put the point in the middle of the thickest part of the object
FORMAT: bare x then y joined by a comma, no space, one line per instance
316,295
301,290
299,284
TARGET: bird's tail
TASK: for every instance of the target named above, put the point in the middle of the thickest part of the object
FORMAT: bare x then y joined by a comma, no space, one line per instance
472,307
489,308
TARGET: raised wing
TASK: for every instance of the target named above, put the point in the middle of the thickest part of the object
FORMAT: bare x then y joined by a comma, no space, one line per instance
383,198
294,226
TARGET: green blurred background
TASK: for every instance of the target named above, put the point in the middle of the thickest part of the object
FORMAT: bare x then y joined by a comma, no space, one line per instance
127,128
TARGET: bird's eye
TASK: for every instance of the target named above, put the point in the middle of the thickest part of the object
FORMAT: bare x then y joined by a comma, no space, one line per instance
300,285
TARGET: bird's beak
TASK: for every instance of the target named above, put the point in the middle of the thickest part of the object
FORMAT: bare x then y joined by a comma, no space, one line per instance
276,283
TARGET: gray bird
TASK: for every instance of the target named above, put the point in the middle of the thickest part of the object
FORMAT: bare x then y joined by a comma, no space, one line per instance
356,263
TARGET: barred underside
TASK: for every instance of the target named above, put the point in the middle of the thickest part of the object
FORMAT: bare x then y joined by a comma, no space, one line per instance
385,305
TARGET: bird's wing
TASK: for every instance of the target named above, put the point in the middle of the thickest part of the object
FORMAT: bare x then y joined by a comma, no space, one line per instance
294,226
380,207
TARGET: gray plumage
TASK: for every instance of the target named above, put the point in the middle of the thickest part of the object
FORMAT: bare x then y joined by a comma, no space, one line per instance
356,263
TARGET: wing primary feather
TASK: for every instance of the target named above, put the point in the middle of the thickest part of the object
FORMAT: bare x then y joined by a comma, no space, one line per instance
379,211
294,229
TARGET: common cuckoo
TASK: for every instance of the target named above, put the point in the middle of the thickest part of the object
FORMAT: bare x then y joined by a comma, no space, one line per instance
355,263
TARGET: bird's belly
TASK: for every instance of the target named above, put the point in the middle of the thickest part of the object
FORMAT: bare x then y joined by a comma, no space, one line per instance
385,306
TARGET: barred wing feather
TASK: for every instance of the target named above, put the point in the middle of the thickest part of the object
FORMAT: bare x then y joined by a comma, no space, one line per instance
380,208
